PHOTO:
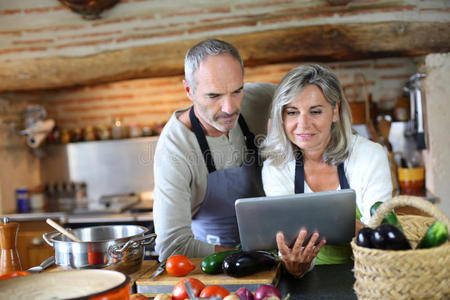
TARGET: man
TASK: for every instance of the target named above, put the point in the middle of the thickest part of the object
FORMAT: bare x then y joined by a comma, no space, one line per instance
206,156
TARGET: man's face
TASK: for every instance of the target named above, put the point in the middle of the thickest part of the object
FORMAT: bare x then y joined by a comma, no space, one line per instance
218,93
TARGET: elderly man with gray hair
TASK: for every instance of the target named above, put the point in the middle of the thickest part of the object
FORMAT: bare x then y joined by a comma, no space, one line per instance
206,156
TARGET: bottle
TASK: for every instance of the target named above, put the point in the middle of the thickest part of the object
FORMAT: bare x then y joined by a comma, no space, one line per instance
117,129
22,200
9,257
37,200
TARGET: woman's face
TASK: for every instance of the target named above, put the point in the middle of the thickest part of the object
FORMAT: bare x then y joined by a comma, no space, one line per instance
307,120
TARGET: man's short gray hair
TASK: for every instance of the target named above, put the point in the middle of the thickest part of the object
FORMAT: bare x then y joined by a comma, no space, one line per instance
277,147
198,52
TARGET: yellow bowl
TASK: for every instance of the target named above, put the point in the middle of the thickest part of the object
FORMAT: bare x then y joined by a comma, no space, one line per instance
411,178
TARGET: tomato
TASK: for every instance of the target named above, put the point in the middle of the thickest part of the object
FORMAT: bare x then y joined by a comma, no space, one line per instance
214,291
179,290
179,265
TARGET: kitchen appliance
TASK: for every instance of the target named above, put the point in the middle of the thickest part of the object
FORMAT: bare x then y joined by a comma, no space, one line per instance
416,125
117,247
69,284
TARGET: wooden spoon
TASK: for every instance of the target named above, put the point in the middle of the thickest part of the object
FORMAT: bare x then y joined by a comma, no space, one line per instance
62,230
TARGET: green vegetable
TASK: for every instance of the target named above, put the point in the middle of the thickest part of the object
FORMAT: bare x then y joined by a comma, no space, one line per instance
358,214
436,235
212,264
390,218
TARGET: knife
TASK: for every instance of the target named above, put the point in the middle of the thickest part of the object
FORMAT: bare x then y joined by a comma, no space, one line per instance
159,270
44,265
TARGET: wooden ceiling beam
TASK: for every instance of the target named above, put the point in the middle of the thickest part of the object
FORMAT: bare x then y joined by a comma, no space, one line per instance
313,43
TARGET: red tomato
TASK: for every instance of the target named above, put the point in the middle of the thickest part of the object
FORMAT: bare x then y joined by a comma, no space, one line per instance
179,265
179,290
214,291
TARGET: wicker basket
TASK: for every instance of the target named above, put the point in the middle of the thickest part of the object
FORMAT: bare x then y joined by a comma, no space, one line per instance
410,274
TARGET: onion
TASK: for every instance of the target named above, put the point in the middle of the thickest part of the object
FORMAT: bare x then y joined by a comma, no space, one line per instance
244,294
231,297
266,291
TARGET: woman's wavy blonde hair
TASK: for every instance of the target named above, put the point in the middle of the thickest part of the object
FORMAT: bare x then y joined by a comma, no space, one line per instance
277,147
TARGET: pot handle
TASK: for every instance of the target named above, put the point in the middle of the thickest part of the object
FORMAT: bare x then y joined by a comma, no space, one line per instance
140,241
49,235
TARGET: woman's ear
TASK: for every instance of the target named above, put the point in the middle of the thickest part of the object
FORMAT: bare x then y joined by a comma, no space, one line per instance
336,110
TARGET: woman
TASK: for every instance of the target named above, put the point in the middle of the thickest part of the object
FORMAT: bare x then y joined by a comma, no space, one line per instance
311,147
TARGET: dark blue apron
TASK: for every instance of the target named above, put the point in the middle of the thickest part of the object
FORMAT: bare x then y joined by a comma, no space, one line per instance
215,222
329,254
300,176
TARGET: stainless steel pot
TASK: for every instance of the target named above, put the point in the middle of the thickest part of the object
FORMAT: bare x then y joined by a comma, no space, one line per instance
116,247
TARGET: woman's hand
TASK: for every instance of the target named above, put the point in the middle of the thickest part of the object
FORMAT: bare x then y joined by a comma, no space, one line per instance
298,259
358,226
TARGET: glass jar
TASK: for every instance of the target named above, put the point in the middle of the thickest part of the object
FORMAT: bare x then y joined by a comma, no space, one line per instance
22,200
89,134
134,130
104,133
117,129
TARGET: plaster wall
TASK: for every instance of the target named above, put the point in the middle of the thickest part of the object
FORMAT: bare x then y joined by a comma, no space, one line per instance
437,90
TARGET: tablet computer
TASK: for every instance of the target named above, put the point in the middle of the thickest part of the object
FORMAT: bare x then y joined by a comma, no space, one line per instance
331,213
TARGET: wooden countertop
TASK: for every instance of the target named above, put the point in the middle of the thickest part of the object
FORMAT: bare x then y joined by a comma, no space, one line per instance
164,282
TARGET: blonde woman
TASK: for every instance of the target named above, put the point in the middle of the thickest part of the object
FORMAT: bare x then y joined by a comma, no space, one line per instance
311,147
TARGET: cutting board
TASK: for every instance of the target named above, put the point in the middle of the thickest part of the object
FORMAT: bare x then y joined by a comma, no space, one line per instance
164,282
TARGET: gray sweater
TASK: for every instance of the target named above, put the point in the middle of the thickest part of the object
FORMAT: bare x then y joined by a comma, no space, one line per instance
180,172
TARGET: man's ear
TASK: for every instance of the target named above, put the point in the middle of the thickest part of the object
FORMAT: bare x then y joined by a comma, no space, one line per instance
188,90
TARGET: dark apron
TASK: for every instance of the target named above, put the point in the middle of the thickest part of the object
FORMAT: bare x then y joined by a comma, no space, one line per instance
300,176
329,254
215,222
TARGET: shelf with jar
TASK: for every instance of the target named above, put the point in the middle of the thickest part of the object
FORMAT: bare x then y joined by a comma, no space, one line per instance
116,131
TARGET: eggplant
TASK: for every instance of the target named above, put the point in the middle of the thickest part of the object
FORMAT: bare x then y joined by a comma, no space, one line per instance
363,237
389,237
248,262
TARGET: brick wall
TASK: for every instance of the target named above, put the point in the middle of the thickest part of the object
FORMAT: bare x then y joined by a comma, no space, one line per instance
150,101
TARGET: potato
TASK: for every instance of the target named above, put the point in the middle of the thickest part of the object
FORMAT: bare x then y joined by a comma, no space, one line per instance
138,297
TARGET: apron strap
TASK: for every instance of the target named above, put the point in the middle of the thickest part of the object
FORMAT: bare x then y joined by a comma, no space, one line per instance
300,175
201,139
249,137
203,143
342,179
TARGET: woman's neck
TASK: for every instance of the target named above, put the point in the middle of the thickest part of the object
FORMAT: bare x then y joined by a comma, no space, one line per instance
312,156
